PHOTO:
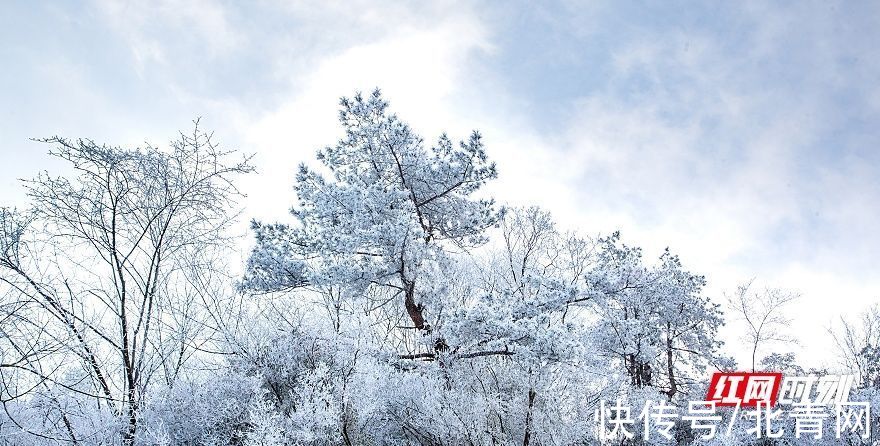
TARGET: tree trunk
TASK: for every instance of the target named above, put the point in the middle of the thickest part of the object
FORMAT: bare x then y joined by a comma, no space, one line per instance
531,404
670,370
412,308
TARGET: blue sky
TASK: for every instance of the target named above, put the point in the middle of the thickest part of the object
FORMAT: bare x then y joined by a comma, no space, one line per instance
743,135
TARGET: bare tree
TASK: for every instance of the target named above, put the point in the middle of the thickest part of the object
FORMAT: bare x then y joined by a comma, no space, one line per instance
764,315
114,265
858,345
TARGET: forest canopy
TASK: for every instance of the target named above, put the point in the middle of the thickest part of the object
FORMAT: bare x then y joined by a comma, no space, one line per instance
397,305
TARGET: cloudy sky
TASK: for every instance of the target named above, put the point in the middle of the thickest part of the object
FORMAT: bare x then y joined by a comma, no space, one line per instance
740,134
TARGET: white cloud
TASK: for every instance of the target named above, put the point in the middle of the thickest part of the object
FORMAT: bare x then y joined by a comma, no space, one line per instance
146,26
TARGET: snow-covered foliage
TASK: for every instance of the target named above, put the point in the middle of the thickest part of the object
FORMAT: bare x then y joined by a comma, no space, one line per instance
509,341
399,306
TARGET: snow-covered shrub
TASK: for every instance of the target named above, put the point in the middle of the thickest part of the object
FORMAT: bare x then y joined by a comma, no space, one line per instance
214,411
